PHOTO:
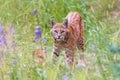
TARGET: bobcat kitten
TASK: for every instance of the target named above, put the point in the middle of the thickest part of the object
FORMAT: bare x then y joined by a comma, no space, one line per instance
68,35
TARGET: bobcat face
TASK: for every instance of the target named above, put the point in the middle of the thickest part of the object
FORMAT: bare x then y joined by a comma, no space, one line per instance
59,34
59,31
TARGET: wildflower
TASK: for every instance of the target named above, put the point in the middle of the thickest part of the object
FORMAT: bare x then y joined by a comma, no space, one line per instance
37,33
43,39
45,49
0,40
93,47
36,39
36,16
10,37
15,61
10,29
3,39
1,29
34,11
65,77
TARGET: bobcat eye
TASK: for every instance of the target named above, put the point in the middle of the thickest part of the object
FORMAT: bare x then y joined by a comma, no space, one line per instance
62,31
55,31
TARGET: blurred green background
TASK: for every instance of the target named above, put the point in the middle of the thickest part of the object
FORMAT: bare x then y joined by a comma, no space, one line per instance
102,38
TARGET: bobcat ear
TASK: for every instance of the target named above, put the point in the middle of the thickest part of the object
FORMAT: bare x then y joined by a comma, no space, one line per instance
65,23
53,23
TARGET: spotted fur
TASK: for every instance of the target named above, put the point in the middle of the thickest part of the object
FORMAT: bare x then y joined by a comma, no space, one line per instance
68,35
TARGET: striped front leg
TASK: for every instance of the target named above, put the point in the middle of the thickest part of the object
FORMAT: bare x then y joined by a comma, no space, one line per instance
55,53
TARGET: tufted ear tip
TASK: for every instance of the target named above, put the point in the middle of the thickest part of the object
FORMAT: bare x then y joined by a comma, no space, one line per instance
53,23
65,23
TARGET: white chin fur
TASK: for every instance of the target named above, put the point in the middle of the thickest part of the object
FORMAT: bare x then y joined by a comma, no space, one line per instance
58,40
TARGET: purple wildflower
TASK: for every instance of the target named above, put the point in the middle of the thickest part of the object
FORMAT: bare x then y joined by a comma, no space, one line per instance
37,33
1,29
34,11
45,47
0,40
36,38
3,39
65,77
43,39
10,29
15,61
93,47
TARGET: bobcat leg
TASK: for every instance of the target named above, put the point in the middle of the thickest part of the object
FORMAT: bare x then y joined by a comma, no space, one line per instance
69,59
55,53
80,43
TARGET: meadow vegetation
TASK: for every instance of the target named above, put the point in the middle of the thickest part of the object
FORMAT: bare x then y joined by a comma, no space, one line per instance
18,40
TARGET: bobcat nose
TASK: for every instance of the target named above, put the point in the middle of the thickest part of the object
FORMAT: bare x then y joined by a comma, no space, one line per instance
58,37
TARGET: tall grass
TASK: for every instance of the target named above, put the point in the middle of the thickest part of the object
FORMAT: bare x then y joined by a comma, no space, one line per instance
101,30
